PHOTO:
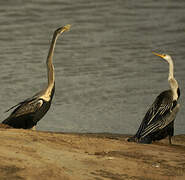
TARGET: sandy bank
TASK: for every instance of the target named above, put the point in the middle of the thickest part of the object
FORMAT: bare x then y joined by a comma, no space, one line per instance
27,154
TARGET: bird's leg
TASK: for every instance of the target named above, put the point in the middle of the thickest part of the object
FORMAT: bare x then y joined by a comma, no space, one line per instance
33,128
170,140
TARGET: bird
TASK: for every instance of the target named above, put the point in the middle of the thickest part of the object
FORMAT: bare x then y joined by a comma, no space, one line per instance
27,113
158,122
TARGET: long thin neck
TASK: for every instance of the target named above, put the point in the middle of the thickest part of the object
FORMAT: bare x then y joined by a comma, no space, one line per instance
49,62
171,69
47,93
172,81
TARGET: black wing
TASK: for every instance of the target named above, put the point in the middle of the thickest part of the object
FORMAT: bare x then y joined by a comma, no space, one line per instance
27,107
23,102
24,115
162,122
159,109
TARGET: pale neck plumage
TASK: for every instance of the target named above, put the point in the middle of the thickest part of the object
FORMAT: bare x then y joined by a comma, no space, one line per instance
172,81
171,69
50,69
49,61
47,93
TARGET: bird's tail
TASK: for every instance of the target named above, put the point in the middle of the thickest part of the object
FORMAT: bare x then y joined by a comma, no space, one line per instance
6,121
145,140
132,139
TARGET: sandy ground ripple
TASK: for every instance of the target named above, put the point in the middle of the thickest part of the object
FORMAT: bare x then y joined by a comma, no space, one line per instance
27,154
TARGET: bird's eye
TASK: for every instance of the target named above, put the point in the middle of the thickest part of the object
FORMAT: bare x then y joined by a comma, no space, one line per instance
164,55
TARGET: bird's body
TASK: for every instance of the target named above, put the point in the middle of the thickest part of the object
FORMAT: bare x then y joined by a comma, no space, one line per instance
158,122
28,112
151,128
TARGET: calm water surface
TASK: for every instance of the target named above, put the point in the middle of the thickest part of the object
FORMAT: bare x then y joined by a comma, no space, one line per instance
106,75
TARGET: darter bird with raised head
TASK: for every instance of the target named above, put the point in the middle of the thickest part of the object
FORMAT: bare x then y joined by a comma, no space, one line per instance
158,122
27,113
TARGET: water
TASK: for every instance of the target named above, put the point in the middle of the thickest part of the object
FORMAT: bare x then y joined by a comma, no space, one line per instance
106,75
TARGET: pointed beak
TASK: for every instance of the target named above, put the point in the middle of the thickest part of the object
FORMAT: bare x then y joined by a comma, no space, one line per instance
160,55
67,27
63,29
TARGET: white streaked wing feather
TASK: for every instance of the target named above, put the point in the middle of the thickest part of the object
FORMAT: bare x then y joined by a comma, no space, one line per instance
161,123
28,107
163,108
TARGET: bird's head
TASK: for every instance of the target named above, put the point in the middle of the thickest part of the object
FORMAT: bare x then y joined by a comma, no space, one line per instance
63,29
164,56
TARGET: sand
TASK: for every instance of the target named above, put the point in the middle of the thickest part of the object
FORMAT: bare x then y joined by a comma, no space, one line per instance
27,154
